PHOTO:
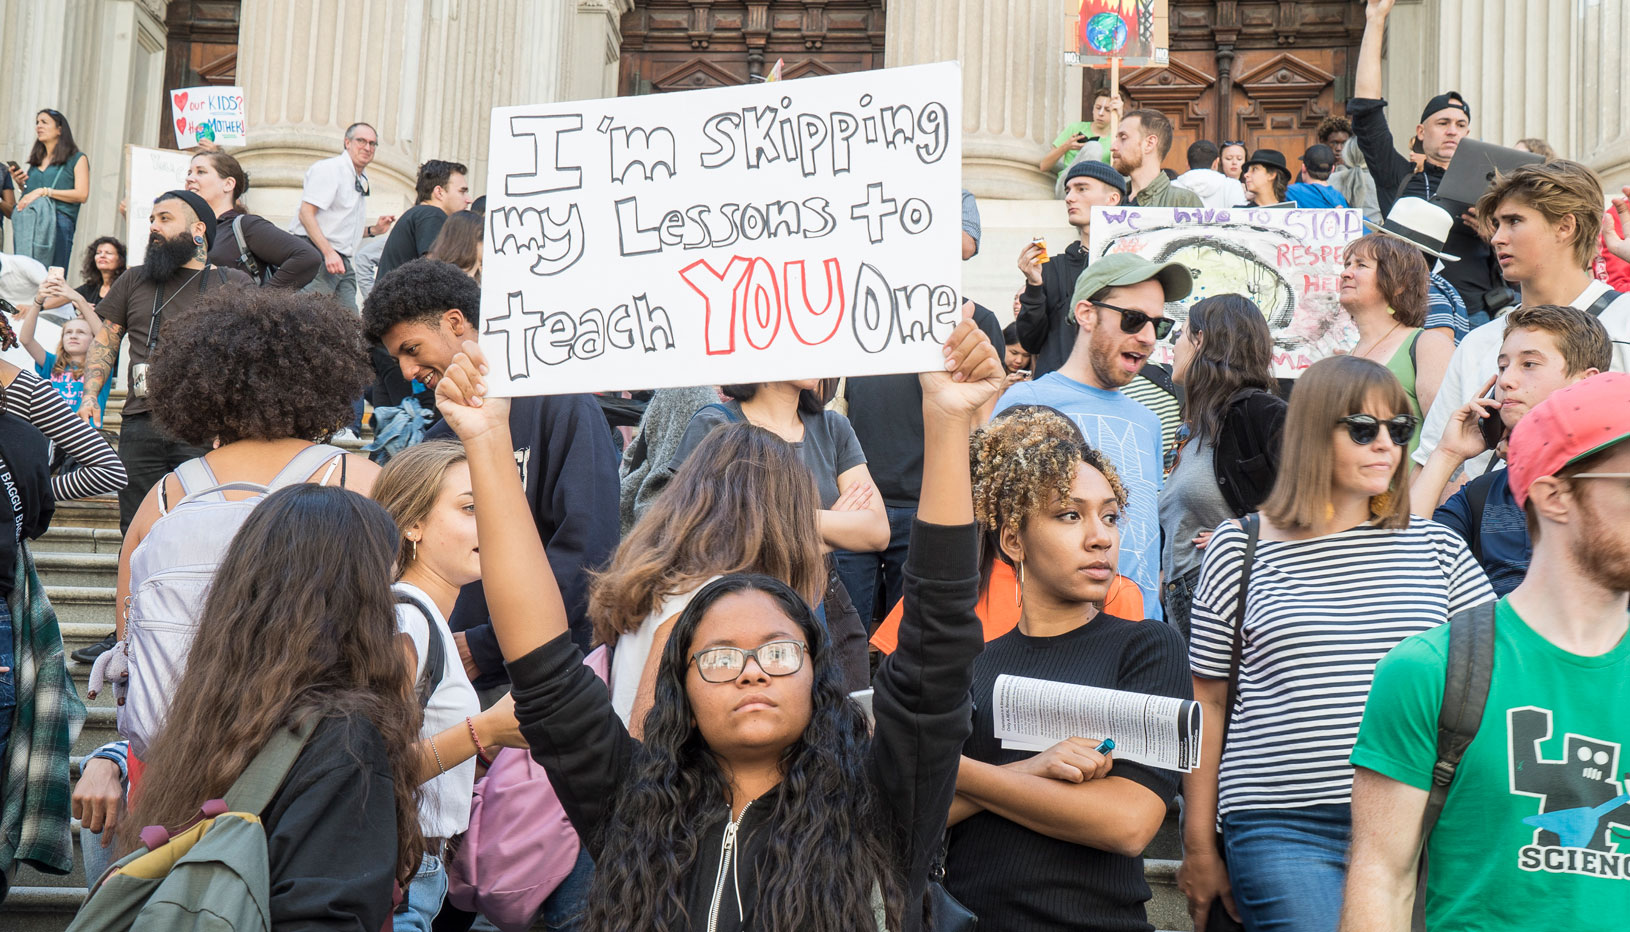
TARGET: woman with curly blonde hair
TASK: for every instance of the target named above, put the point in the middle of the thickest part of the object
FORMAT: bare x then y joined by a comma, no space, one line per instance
1058,835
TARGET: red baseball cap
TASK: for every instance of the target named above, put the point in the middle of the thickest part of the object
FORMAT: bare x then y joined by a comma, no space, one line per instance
1574,422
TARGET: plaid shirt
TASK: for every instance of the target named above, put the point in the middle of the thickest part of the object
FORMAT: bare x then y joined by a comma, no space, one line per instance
36,814
1445,307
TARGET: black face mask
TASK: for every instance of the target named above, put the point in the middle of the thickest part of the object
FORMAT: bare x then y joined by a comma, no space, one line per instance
165,257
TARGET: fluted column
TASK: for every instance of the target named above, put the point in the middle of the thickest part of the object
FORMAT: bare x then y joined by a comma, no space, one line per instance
1013,82
1603,122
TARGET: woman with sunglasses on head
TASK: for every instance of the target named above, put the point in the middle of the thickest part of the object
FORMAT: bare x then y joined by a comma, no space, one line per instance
1383,289
757,799
248,242
58,172
1232,423
1339,575
1055,840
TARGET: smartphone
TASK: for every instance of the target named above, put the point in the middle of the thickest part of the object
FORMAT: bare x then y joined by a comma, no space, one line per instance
12,165
55,271
1080,137
1492,427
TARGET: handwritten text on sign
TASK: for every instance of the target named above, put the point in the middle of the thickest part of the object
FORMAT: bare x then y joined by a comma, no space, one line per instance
804,229
1287,261
205,114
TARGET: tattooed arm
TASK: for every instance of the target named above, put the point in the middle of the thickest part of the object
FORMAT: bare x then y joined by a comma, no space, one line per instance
99,362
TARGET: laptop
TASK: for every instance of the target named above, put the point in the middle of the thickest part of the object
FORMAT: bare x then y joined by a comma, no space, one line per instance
1473,167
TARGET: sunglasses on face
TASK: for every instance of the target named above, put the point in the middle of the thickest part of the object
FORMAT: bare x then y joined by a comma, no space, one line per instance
723,664
1364,428
1134,321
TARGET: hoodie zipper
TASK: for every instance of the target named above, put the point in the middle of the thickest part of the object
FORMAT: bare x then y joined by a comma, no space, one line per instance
728,860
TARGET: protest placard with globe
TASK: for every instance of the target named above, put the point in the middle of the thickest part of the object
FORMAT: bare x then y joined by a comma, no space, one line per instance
1133,31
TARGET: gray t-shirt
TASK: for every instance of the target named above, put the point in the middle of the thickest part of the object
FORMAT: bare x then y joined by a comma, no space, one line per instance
829,447
1190,503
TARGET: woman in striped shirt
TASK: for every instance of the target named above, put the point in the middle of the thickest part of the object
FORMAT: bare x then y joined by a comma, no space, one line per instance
1341,573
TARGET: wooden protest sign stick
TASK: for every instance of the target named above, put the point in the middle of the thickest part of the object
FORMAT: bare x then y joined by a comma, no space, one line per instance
1114,94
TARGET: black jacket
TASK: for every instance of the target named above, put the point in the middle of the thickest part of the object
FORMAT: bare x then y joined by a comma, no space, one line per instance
1045,323
923,716
1395,177
568,467
297,261
1246,458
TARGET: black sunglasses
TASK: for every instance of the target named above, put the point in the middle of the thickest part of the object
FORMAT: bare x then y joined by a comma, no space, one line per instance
1134,321
1364,428
1233,142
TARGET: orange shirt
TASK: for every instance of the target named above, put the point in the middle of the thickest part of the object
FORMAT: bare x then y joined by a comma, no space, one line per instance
998,609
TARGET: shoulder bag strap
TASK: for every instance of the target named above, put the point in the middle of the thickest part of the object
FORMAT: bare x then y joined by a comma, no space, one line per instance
729,415
1477,497
435,652
244,255
302,465
1252,525
256,786
1602,301
1465,693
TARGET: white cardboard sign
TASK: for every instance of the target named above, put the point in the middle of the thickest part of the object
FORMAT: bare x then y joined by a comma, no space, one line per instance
152,172
801,229
208,114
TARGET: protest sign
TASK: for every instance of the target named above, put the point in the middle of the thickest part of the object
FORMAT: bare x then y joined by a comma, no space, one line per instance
1287,261
1123,33
148,173
206,114
801,229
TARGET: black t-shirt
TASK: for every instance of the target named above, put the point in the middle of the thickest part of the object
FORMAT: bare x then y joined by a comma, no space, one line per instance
887,414
1022,880
410,237
26,504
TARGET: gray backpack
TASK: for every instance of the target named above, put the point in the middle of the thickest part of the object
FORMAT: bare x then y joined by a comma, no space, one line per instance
213,876
170,573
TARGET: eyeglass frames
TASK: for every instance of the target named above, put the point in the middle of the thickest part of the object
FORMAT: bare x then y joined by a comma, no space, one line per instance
723,664
1134,321
1364,428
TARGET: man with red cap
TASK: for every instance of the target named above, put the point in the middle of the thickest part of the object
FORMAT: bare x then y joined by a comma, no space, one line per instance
1534,830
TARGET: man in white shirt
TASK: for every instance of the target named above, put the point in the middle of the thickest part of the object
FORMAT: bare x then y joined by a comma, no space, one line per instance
333,213
1217,191
1545,220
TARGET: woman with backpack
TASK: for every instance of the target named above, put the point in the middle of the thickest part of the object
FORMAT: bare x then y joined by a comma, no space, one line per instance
263,377
1308,597
758,799
299,628
248,242
1383,289
1228,447
426,490
741,503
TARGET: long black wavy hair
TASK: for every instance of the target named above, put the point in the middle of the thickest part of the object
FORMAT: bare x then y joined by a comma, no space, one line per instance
826,854
1235,352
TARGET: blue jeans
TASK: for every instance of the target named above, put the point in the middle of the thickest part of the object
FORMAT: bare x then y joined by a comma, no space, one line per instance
1287,866
8,686
64,248
422,900
563,910
868,575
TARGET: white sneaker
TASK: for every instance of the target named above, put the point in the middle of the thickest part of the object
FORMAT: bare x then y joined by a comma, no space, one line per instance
346,437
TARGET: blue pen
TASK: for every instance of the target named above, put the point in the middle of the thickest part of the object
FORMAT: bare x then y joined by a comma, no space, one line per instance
1108,744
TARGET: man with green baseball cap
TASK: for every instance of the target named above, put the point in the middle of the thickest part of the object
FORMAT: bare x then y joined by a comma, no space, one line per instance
1120,307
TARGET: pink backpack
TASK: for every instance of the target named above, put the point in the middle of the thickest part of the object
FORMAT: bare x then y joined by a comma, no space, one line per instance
519,845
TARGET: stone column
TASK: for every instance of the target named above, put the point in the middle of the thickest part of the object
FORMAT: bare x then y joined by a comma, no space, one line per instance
1013,82
1602,120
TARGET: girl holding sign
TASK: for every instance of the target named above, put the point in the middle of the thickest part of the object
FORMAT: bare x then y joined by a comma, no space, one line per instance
758,798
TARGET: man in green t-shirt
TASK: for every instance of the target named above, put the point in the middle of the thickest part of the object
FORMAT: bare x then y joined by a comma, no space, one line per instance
1535,832
1081,139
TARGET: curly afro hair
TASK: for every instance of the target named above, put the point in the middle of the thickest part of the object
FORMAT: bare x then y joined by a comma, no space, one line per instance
1025,453
258,364
420,291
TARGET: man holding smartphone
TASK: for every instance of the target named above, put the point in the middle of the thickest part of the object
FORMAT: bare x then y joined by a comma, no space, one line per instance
1547,347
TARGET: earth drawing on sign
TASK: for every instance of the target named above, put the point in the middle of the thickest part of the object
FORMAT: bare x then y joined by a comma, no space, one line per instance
1106,32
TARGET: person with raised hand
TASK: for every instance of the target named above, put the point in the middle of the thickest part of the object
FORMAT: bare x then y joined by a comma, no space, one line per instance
751,743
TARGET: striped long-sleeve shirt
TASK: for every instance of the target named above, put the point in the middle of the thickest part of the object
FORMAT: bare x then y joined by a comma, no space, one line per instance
97,470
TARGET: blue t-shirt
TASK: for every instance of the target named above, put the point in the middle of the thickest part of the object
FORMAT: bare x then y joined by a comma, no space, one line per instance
1445,307
71,389
1129,434
1314,195
1501,545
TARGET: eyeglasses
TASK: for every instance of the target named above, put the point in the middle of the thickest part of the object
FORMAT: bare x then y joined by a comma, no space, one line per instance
1134,321
367,143
1364,428
723,664
1601,475
362,185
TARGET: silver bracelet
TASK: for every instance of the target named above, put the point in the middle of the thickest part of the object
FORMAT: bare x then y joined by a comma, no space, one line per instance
439,764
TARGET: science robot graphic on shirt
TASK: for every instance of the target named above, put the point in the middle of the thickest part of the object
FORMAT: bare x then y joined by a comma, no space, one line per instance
1583,825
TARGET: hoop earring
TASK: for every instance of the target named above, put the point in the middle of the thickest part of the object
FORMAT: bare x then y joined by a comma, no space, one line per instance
413,550
1018,593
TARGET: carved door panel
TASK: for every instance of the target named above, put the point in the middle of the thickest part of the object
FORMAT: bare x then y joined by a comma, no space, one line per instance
1261,71
671,45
